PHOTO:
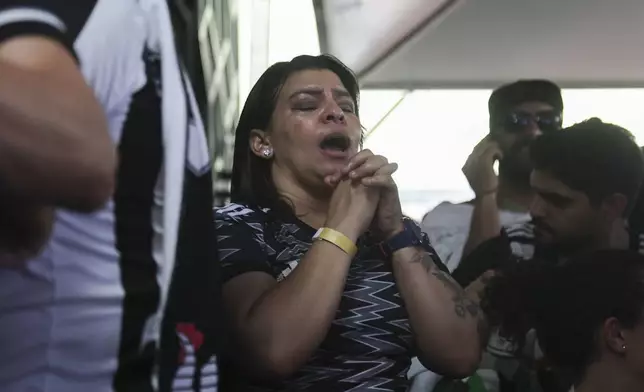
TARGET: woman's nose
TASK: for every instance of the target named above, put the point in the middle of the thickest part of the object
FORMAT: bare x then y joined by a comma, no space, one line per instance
336,117
334,114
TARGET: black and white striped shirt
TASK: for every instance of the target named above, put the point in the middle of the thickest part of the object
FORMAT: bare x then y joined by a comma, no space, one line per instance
86,315
523,244
516,242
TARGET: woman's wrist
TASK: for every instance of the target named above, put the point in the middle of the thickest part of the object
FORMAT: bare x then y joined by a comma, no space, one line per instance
346,227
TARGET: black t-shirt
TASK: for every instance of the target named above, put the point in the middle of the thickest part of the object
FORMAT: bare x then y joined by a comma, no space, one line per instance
369,344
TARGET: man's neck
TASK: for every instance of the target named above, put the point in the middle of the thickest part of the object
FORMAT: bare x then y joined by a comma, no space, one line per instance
609,376
514,197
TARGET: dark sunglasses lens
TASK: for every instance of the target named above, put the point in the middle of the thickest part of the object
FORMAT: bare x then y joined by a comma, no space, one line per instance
517,122
549,122
546,122
548,125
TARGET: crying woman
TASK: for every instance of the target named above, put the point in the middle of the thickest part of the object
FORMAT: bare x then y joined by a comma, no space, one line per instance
327,286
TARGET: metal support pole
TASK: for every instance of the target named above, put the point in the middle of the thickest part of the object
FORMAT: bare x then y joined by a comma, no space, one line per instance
217,34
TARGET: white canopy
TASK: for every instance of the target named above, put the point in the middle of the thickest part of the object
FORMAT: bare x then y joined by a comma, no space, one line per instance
414,44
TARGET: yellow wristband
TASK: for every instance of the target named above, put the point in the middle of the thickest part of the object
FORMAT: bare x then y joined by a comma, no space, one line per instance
338,239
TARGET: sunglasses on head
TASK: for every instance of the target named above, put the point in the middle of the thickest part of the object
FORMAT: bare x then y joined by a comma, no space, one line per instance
546,121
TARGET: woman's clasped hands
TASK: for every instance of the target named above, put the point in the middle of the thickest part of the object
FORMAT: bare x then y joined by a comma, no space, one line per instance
365,196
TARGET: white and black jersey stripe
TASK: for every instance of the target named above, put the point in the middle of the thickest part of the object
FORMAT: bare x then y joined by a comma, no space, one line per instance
516,242
87,314
524,246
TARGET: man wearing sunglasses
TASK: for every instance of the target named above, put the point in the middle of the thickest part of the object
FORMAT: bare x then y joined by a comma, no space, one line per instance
519,112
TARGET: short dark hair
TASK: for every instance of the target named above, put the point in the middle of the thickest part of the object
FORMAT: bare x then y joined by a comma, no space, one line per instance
593,157
251,181
568,303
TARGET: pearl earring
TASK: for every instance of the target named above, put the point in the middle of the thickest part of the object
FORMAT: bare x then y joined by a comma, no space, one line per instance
267,152
624,347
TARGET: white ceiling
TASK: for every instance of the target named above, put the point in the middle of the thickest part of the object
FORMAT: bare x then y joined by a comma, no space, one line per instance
484,43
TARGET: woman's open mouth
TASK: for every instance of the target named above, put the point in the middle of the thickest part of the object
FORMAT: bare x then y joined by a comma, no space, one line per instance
336,145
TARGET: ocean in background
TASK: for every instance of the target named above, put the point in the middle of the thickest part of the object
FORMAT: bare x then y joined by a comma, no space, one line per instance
416,203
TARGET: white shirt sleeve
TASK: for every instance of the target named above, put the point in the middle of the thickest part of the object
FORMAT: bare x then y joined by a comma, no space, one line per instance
53,19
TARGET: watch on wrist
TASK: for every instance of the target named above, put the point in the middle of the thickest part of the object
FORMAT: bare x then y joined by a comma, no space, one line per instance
411,236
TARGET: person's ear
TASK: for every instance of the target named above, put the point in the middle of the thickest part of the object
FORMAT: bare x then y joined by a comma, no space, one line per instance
614,336
260,144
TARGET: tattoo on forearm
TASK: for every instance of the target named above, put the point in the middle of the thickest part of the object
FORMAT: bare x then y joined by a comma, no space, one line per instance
463,305
426,260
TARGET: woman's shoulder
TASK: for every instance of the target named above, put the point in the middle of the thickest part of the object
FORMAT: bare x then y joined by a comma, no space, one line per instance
239,213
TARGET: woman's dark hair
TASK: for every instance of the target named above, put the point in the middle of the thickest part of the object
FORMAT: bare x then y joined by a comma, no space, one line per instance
251,178
567,304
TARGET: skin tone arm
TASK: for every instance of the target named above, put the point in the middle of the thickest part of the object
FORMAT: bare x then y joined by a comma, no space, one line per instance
476,289
279,325
55,148
492,195
479,171
485,223
448,324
